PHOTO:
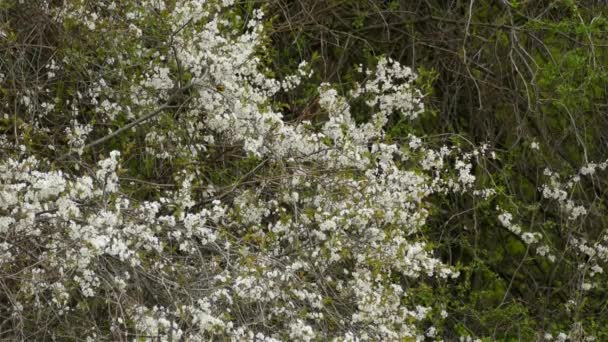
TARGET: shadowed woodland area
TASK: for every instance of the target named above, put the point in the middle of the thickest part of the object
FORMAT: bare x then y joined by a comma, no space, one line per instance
506,73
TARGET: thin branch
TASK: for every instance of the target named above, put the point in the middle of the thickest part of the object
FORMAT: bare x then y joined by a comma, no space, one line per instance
139,120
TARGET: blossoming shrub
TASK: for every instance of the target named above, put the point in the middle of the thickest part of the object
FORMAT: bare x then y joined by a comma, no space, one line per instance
150,188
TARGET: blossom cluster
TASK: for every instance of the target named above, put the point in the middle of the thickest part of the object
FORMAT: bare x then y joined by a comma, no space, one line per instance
312,230
318,246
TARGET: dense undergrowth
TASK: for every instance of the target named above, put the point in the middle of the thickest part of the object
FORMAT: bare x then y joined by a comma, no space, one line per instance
303,170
